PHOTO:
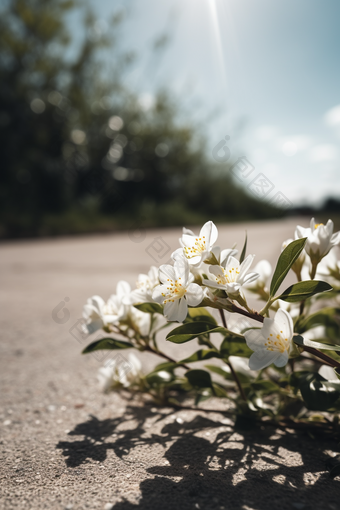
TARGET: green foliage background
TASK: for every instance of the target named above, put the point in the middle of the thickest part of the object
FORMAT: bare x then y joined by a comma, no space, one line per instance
60,170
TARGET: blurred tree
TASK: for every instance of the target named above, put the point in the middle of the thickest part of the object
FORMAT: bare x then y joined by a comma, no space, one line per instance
79,151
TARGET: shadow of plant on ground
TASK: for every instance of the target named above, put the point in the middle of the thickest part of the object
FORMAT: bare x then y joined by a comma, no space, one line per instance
257,469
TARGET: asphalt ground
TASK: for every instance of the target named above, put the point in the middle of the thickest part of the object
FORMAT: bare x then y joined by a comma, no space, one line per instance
64,444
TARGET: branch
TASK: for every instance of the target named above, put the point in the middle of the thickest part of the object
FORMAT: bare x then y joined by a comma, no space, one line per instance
165,356
256,316
321,355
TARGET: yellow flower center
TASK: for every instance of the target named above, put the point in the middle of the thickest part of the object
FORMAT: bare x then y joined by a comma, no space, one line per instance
198,247
230,275
317,225
175,291
277,343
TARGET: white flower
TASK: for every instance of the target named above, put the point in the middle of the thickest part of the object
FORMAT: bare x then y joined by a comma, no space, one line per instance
177,290
94,314
233,276
119,372
272,343
198,248
99,314
140,321
264,271
145,285
320,239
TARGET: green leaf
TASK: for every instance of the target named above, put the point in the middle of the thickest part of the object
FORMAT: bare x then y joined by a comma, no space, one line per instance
199,378
224,372
235,346
325,317
191,330
167,365
265,386
150,308
201,315
285,262
304,290
244,249
299,340
159,378
317,393
219,391
201,355
107,344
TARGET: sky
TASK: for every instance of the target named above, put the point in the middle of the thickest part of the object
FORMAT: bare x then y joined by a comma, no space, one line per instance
269,71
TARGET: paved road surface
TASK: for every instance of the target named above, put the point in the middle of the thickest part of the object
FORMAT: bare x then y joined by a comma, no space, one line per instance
65,445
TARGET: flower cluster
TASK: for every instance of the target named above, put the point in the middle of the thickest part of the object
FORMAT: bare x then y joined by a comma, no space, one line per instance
206,281
199,265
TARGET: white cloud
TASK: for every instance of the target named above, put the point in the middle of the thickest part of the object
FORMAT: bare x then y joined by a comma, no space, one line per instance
265,133
289,148
259,156
293,144
323,152
332,116
271,169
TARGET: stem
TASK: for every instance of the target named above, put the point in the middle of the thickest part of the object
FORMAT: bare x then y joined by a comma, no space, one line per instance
313,270
165,356
268,305
224,322
256,316
314,360
321,355
302,306
243,395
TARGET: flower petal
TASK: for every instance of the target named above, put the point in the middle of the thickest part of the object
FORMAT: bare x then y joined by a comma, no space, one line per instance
166,271
282,360
250,277
188,240
284,323
254,338
210,232
262,358
194,294
181,267
231,261
123,288
225,254
94,326
211,283
216,271
188,231
158,292
182,310
171,310
246,265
